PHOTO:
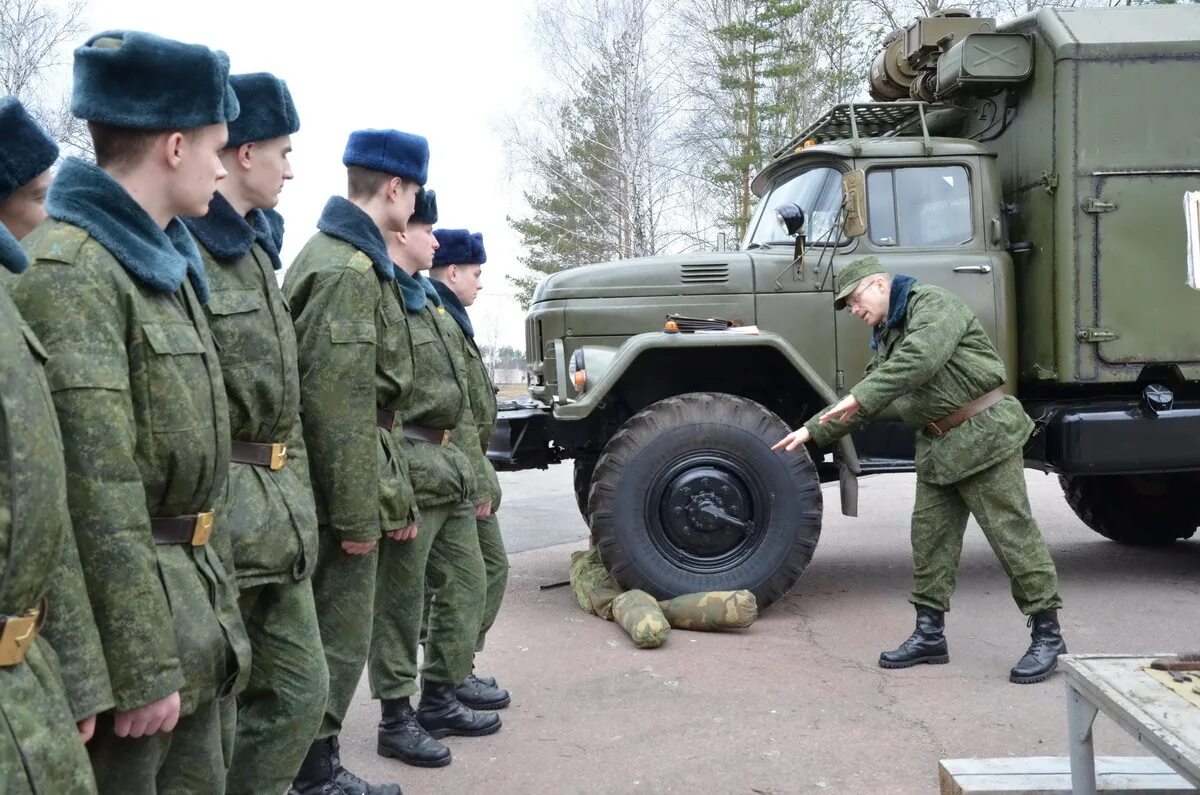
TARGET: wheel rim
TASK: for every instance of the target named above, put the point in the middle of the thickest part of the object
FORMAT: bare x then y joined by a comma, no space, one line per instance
706,511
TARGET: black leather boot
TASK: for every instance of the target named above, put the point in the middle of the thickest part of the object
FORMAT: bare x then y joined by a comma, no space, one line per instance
401,737
322,773
927,644
477,693
1045,645
442,714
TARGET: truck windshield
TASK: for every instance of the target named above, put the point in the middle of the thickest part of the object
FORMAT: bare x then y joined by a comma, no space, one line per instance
818,192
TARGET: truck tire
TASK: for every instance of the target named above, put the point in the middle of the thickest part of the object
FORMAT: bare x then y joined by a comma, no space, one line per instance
688,497
1136,509
584,467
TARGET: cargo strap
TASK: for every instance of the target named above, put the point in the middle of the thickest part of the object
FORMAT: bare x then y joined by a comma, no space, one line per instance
17,634
194,529
430,435
272,456
976,406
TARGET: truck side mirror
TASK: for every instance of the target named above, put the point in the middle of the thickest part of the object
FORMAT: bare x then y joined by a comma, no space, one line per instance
854,202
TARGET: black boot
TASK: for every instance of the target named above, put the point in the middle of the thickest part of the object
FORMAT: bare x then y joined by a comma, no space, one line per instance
402,737
477,693
322,773
442,714
1046,644
927,644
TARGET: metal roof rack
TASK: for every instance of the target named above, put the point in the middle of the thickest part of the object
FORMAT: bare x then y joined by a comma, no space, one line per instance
857,120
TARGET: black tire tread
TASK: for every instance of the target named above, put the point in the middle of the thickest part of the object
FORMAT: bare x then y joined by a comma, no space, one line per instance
1114,512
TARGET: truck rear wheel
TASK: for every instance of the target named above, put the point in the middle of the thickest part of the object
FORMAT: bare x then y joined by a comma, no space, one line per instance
689,497
584,467
1136,509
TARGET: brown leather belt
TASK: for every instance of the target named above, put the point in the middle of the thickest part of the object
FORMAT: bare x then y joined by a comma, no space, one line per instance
431,435
194,529
385,419
272,456
18,632
976,406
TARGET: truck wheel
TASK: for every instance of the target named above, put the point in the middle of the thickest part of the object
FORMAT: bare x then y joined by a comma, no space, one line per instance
584,467
688,497
1136,509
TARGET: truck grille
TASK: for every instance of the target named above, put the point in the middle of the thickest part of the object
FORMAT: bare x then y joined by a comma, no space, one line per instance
704,273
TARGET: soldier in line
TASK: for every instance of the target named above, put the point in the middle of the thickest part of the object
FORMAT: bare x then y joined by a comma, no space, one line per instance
444,560
355,369
269,505
457,265
934,361
115,293
53,680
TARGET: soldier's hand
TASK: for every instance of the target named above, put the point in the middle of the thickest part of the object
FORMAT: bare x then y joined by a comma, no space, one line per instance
357,547
404,534
86,728
157,716
793,440
483,511
842,411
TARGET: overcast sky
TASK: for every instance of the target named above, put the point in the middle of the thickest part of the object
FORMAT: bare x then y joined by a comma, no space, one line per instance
451,71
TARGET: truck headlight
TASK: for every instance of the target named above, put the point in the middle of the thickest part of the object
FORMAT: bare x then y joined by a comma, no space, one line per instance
577,372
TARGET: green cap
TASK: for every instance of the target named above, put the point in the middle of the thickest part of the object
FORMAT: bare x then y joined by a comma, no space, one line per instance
852,275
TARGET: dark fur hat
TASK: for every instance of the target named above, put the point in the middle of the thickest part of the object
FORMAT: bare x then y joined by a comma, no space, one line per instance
267,109
26,150
425,208
454,247
399,154
478,253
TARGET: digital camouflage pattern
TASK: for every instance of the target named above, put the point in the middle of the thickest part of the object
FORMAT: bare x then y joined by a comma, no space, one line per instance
593,586
272,521
713,610
930,365
445,558
140,399
40,750
354,358
639,615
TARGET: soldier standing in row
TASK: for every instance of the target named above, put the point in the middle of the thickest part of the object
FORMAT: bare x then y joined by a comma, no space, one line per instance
53,680
934,361
355,368
457,265
269,505
115,294
444,560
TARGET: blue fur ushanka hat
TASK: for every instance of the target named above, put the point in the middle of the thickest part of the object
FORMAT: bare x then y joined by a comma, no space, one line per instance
425,208
399,154
267,109
454,247
478,253
26,150
140,81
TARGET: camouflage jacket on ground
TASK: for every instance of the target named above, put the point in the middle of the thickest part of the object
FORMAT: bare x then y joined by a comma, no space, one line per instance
354,356
932,360
137,385
38,558
270,514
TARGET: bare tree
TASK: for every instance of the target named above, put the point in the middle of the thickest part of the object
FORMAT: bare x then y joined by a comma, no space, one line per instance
35,47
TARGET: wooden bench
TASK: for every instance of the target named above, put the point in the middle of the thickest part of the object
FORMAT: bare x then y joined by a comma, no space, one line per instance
1051,775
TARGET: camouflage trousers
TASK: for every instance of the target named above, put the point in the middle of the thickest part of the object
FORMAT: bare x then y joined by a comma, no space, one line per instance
40,751
998,500
189,761
495,566
445,557
281,708
344,589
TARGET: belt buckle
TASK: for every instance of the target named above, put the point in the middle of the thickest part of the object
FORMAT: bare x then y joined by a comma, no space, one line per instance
17,637
203,529
279,456
935,430
445,438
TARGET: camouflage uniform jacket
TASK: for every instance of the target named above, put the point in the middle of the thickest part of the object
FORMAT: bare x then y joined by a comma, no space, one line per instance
38,560
438,399
354,359
270,513
137,386
932,358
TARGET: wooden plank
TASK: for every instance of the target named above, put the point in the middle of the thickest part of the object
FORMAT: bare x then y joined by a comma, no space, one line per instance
1012,765
1051,775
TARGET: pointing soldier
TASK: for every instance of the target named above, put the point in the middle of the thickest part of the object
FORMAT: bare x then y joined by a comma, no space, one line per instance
269,506
934,361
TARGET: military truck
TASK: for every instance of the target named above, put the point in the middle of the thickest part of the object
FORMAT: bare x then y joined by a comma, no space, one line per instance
1036,168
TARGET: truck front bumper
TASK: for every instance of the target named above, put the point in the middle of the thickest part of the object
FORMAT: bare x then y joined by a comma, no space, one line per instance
522,438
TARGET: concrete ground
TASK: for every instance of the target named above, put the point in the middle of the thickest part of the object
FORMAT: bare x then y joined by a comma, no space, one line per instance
796,703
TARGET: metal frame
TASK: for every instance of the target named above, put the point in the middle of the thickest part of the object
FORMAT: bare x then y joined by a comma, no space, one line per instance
856,120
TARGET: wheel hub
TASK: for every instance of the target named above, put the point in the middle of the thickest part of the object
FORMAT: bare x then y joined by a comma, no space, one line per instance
707,511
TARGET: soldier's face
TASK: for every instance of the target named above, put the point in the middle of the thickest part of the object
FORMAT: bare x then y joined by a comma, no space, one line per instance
23,211
466,282
869,303
195,160
401,201
269,170
419,245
